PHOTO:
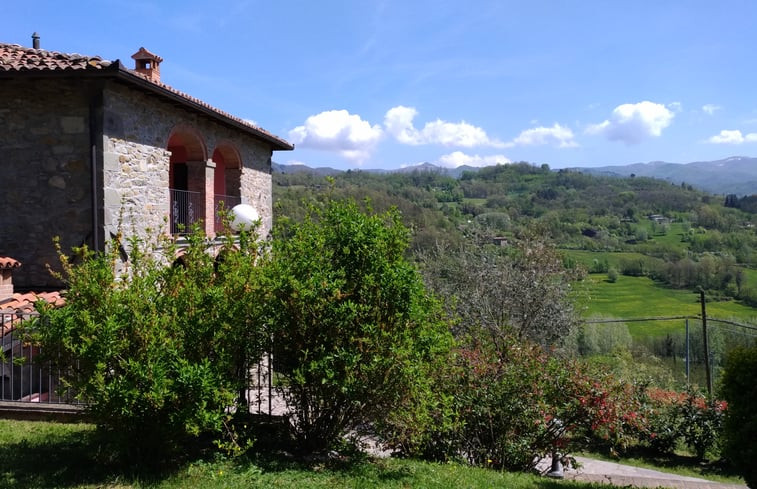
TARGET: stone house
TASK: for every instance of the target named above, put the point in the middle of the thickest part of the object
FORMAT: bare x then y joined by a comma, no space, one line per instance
85,142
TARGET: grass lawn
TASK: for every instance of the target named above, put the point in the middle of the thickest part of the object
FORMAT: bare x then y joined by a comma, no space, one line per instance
614,259
638,297
45,455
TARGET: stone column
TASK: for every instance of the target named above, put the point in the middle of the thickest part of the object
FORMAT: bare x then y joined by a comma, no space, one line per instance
210,198
200,179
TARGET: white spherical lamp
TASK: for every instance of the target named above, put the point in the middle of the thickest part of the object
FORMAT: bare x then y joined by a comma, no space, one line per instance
244,217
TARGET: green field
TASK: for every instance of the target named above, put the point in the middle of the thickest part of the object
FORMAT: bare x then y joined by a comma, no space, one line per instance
614,259
641,297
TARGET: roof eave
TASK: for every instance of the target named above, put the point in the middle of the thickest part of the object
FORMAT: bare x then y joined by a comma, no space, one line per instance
129,76
117,70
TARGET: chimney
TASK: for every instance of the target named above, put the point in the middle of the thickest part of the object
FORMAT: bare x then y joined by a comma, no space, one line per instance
6,277
35,40
147,64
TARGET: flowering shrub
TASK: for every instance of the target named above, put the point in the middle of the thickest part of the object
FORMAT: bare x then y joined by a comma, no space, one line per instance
514,404
681,417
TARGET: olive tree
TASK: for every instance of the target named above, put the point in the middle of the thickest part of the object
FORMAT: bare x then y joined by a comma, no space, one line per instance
522,290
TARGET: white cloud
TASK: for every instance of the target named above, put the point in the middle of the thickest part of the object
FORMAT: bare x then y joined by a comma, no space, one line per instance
710,109
458,158
399,123
557,135
340,131
733,137
675,106
632,123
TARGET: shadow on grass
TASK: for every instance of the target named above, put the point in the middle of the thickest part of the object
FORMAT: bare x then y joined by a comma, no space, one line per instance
72,458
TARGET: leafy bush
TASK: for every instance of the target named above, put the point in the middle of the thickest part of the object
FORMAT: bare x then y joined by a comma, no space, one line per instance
513,404
603,338
740,431
160,352
681,418
354,330
612,274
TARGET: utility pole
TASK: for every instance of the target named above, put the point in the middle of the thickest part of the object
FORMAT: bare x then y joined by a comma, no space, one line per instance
706,343
687,352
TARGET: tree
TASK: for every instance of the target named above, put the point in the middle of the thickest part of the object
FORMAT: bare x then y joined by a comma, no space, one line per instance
521,291
354,332
737,389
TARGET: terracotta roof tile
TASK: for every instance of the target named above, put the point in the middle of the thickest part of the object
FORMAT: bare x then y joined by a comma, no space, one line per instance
15,58
18,58
24,302
8,262
21,306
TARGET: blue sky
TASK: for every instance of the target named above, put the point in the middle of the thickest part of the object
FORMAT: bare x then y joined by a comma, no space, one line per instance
385,84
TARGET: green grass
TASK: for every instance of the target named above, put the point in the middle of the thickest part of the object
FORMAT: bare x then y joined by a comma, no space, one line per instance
614,259
474,201
47,455
638,297
672,237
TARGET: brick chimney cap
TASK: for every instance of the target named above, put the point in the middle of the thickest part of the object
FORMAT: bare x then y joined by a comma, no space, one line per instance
7,262
145,54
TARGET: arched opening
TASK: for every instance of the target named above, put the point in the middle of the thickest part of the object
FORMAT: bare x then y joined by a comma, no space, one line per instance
227,180
186,178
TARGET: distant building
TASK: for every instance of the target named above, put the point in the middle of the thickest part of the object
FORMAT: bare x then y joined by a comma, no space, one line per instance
500,241
659,219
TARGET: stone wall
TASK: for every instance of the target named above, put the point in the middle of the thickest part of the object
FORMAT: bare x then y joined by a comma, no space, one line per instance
45,167
45,178
137,128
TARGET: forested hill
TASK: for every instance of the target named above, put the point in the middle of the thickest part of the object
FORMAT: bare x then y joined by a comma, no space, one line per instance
734,175
572,209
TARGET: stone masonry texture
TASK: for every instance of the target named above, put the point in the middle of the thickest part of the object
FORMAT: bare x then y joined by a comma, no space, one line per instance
45,153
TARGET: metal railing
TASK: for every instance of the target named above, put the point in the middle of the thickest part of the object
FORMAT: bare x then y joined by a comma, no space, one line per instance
225,202
24,377
186,209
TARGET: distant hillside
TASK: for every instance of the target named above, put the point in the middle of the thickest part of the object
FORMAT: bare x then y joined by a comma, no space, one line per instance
422,167
295,169
734,175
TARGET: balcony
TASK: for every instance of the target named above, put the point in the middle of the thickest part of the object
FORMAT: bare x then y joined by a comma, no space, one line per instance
186,209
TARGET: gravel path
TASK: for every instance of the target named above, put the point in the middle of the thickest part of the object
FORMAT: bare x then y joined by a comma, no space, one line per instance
625,475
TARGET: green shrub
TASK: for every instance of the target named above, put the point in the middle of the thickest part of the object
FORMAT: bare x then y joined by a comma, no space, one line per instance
612,275
738,390
685,418
603,338
354,330
514,403
160,352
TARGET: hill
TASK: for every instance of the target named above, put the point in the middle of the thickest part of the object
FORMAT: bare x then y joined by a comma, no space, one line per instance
734,175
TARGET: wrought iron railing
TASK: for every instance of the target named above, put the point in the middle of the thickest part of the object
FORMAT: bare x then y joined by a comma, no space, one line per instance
186,209
24,377
225,202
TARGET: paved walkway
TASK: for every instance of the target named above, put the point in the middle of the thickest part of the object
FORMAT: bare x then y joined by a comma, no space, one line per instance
625,475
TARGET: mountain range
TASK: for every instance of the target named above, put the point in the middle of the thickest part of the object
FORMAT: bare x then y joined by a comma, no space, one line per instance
734,175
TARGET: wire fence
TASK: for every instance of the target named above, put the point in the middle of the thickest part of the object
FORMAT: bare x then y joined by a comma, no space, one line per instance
681,346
